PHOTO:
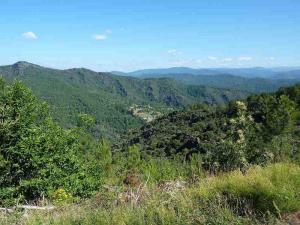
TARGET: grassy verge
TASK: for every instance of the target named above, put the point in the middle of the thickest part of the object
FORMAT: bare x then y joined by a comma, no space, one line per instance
259,197
275,188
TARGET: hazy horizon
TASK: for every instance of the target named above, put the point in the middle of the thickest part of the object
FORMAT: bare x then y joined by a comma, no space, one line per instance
288,68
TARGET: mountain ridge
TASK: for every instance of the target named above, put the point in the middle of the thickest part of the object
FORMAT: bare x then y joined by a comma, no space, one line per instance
250,72
108,97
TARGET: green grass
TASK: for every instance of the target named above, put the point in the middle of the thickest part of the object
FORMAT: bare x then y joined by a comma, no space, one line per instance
264,194
275,188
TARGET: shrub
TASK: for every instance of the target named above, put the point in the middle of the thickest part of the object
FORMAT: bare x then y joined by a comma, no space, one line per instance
61,196
36,155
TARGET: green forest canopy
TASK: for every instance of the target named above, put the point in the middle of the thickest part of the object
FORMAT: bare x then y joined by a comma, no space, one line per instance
38,157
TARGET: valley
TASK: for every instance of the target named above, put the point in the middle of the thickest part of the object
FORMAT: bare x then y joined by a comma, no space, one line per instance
150,112
109,97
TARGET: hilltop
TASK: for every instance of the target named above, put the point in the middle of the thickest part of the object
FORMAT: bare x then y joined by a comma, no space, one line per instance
109,97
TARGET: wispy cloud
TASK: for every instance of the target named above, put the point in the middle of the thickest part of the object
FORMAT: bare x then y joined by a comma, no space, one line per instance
213,58
271,58
174,52
187,63
244,58
103,36
100,37
227,59
29,35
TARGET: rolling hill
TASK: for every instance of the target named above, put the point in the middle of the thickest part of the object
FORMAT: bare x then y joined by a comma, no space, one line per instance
254,85
252,72
255,80
199,128
109,97
291,74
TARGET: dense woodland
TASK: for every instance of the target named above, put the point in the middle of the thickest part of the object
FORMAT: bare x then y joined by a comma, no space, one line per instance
208,163
233,82
109,97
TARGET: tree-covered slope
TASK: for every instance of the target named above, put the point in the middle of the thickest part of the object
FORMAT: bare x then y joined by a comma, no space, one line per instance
108,97
243,132
254,85
77,179
251,72
292,74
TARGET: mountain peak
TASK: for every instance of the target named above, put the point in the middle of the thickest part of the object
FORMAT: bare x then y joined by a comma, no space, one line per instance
20,66
23,64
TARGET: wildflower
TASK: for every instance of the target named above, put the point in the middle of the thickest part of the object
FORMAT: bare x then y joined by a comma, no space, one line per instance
241,105
242,118
232,121
60,195
250,118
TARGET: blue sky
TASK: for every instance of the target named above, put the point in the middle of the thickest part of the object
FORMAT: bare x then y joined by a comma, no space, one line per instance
135,34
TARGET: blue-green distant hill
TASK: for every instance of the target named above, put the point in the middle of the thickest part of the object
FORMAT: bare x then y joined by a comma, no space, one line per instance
252,72
254,80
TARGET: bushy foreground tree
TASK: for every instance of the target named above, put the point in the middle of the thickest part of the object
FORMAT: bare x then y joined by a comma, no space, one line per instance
258,130
36,155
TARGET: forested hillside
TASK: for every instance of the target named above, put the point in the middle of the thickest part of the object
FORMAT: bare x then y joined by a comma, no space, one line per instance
231,164
251,72
150,112
244,132
109,97
235,82
291,74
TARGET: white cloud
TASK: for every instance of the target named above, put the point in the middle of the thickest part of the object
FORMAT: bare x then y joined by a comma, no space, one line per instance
30,35
187,63
174,52
227,60
244,58
100,37
213,58
103,36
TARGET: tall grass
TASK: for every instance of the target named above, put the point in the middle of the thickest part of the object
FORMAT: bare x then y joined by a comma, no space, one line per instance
275,188
260,196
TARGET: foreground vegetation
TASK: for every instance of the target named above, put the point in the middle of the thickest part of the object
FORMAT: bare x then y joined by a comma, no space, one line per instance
262,196
235,164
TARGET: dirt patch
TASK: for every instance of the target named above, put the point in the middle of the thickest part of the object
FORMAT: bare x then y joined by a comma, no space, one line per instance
292,218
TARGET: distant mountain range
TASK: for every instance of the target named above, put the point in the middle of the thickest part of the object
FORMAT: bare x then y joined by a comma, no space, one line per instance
255,72
254,85
109,97
254,80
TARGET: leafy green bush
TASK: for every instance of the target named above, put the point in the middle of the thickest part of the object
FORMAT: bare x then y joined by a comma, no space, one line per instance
36,155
